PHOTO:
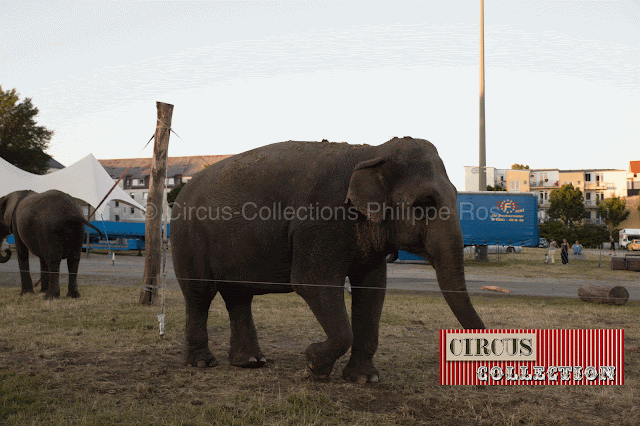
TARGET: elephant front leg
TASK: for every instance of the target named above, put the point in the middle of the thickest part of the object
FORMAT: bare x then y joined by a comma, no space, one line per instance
368,286
73,261
23,263
196,335
326,300
244,349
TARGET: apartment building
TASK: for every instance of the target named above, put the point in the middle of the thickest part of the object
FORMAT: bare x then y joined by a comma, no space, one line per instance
136,179
595,184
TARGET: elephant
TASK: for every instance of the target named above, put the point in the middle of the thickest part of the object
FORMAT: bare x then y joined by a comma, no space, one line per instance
51,226
301,217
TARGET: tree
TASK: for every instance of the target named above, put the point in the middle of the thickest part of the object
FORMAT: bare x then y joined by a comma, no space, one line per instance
173,194
613,211
516,166
567,204
495,188
22,142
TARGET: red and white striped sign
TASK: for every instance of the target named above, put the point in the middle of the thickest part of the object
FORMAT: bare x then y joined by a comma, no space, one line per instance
562,357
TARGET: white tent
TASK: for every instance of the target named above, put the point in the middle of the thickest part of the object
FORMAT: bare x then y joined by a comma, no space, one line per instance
84,180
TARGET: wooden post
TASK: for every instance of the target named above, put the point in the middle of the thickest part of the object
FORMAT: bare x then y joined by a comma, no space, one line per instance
155,204
613,295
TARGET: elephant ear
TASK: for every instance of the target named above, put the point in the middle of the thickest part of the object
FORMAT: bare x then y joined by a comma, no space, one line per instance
367,189
8,205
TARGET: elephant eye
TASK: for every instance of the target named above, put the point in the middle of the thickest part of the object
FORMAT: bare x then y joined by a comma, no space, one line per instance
425,201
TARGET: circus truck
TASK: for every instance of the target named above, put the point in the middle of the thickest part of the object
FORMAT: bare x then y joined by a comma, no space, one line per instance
500,220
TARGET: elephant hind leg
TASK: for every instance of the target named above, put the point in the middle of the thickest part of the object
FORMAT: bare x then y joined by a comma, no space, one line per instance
197,312
54,279
244,348
73,261
44,276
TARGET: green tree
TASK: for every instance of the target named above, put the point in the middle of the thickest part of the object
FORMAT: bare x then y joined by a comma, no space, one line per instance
173,194
495,188
516,166
22,141
567,205
613,211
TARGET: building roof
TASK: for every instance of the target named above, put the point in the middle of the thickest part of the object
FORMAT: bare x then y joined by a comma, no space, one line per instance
53,164
634,166
141,167
591,170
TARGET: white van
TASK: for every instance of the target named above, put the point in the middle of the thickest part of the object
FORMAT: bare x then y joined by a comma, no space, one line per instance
627,235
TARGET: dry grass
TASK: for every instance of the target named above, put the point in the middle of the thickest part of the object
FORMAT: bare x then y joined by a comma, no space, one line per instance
530,264
98,360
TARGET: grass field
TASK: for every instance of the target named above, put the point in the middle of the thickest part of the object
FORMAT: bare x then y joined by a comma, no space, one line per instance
530,264
98,360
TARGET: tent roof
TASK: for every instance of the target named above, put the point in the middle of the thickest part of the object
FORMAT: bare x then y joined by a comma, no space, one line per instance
84,180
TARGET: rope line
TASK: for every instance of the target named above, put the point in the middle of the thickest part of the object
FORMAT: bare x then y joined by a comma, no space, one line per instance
429,285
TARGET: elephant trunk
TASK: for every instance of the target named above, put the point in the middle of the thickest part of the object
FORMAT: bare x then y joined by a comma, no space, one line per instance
449,266
4,258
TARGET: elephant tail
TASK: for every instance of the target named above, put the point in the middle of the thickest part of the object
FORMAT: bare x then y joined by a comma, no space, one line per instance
86,222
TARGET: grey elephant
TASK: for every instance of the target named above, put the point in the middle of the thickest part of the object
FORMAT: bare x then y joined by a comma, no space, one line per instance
302,216
51,226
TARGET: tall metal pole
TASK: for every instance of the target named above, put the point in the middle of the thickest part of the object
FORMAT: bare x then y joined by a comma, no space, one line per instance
482,169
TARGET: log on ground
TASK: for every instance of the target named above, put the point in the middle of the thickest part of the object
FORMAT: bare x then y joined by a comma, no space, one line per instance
612,295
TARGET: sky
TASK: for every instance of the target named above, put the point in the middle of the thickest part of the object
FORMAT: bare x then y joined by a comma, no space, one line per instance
562,78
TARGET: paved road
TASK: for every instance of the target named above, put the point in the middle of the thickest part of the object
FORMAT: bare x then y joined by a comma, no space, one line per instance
128,270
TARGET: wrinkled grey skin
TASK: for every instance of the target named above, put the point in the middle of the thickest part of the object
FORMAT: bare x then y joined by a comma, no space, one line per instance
269,256
51,226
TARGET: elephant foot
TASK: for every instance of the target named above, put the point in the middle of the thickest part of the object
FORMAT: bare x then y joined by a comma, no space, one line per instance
361,372
317,362
73,294
253,359
202,359
50,295
23,291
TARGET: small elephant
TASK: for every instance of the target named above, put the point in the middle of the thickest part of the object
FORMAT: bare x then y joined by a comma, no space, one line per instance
51,226
302,216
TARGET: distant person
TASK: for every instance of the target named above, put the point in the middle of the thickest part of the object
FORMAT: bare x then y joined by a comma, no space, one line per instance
564,252
612,245
577,248
552,251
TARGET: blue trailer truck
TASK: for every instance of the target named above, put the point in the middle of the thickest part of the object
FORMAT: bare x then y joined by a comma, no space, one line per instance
494,218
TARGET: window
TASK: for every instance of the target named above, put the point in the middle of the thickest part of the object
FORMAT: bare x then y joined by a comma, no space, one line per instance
132,210
587,177
587,196
117,218
132,195
117,204
145,195
178,179
170,181
515,185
